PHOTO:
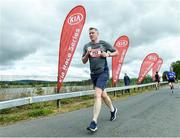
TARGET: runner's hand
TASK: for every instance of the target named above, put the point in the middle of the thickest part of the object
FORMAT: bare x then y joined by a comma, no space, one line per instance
104,54
89,50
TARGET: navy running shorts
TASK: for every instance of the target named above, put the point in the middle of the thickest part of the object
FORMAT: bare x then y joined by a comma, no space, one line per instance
100,80
171,80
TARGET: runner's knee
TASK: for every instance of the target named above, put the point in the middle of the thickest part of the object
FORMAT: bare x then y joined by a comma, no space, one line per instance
104,95
98,93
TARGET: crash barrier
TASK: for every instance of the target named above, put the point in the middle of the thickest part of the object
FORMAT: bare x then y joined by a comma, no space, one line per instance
59,96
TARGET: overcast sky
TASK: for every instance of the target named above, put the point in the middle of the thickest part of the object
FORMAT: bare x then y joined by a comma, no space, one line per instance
30,30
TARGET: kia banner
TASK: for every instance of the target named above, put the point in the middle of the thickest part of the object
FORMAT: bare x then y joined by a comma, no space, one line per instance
147,65
69,38
156,67
121,44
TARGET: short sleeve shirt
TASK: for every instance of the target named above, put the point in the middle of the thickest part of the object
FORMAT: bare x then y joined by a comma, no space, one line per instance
171,75
97,63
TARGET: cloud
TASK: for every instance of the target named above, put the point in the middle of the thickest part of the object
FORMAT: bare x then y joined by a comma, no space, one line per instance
23,30
30,36
166,48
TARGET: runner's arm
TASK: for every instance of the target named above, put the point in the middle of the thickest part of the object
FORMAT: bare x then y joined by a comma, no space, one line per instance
85,57
113,54
109,54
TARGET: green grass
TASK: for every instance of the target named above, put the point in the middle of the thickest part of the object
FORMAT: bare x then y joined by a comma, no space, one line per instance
11,118
32,111
39,112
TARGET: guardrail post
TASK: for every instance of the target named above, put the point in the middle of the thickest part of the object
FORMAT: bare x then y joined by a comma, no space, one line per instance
30,100
58,103
114,93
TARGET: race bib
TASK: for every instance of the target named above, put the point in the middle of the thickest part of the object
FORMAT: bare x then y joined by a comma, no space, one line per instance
95,52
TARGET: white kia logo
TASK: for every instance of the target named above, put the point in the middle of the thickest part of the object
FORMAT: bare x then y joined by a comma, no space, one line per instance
152,58
75,19
122,43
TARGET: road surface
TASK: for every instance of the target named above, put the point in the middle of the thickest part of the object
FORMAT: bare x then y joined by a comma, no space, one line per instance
156,114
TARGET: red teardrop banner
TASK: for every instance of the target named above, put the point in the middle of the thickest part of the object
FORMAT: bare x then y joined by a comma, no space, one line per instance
70,35
147,65
122,45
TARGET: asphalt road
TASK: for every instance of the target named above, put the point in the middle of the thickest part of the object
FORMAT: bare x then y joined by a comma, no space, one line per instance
156,114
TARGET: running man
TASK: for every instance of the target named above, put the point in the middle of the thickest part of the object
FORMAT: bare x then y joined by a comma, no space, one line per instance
171,78
96,51
157,80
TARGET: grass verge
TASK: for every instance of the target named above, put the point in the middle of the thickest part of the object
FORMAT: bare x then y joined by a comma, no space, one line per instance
32,111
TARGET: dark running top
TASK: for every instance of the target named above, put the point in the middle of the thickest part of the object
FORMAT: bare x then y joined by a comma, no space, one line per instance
171,75
157,78
126,80
97,63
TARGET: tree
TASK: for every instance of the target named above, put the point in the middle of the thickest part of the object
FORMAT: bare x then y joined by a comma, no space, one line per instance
147,79
176,69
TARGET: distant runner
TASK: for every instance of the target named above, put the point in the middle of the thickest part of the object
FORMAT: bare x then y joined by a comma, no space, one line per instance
157,80
96,51
171,78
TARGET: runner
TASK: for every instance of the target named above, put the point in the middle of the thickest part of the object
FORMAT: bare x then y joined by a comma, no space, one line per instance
157,80
96,52
171,78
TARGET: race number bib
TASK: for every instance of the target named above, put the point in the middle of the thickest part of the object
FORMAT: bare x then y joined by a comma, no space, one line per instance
95,52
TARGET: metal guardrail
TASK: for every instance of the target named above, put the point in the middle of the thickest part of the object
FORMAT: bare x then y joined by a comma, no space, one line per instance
36,99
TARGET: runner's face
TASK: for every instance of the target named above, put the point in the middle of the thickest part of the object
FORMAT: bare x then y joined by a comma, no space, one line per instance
93,35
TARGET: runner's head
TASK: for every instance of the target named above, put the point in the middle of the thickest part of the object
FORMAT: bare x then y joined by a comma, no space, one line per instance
93,34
